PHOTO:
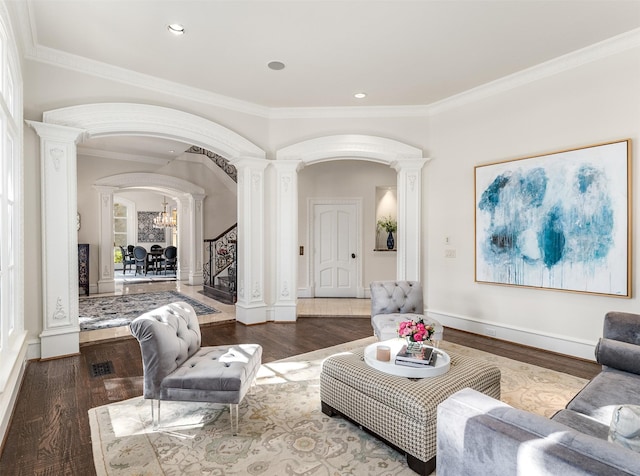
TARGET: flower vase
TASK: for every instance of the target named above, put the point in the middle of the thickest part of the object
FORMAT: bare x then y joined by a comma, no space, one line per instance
413,347
390,241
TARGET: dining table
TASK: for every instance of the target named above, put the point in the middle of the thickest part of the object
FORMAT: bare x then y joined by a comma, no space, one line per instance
154,256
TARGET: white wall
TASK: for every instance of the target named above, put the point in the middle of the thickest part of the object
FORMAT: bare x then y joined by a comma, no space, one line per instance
594,103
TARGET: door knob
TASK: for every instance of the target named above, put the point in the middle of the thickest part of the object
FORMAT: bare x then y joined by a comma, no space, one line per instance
353,255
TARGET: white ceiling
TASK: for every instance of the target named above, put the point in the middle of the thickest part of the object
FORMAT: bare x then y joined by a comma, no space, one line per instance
401,53
398,52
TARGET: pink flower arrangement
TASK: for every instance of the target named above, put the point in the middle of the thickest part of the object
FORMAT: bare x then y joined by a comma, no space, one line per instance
416,331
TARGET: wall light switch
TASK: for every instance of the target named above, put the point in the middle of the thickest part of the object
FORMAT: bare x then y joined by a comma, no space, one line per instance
451,253
302,251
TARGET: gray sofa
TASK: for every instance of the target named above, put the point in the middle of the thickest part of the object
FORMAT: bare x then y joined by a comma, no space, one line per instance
479,435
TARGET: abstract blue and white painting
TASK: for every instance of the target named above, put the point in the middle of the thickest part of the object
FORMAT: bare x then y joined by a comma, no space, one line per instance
557,221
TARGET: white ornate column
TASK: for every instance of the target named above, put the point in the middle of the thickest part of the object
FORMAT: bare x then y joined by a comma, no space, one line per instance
286,241
409,186
184,239
251,307
58,189
195,254
106,282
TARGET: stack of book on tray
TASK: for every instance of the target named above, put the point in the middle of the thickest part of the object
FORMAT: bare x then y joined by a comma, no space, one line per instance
424,358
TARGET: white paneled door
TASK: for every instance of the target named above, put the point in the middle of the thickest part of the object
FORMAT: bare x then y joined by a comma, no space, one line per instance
335,249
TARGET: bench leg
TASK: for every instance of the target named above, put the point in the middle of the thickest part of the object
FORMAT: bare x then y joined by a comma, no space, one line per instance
233,415
155,419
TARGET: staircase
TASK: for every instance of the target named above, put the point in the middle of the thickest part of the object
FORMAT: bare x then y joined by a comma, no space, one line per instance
220,278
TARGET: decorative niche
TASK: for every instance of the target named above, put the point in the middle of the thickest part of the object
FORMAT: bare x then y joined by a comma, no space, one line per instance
386,212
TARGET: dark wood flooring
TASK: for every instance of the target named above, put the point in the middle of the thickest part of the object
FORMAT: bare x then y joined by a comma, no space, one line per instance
50,434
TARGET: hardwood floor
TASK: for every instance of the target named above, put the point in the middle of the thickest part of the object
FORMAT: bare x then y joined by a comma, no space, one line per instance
50,434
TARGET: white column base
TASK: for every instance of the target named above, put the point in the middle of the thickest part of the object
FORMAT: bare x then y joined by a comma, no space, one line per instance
106,286
59,343
196,279
251,315
285,313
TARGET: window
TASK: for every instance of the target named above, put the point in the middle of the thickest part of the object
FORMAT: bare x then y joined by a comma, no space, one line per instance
12,332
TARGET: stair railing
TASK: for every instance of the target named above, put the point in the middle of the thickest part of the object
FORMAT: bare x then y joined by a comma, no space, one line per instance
221,255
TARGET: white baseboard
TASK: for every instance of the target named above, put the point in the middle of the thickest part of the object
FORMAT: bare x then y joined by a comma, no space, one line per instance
33,349
9,395
554,343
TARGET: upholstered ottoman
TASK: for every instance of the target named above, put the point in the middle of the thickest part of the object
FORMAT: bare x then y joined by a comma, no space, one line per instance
400,411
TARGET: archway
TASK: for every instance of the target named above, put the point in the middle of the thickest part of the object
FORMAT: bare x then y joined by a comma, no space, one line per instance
59,133
405,159
189,198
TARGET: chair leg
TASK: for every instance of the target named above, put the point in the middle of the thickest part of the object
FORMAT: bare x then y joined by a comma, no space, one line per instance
155,419
233,415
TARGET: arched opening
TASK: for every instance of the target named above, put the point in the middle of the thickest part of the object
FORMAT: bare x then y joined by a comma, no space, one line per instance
59,133
406,160
189,198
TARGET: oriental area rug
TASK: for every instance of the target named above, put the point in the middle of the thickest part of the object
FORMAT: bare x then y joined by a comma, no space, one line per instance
115,311
282,429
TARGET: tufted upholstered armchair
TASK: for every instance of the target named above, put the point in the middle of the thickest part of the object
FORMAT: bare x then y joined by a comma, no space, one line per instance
395,301
177,368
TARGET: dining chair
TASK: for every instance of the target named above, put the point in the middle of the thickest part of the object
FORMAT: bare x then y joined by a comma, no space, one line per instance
140,258
170,258
127,260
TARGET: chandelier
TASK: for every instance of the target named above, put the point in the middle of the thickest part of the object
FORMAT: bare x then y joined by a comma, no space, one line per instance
164,219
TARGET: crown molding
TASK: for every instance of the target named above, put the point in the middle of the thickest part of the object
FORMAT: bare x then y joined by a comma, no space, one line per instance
575,59
102,70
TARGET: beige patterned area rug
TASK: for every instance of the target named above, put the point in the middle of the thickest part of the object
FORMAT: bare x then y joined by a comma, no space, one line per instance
282,430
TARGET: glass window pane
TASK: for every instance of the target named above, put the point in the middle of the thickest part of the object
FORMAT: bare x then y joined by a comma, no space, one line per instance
120,240
120,225
10,94
119,210
10,160
11,300
9,233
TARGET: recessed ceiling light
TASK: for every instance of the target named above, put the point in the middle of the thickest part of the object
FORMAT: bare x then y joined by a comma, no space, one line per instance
276,65
176,28
360,95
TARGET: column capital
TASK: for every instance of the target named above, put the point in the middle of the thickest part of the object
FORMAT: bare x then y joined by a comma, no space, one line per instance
284,165
251,163
409,164
57,132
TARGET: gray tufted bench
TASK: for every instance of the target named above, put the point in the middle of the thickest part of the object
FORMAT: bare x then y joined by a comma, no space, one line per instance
177,368
395,301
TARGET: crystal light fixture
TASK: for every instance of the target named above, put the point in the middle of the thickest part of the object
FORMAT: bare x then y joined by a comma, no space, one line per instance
164,219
